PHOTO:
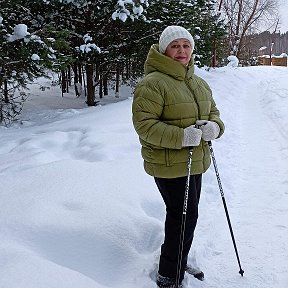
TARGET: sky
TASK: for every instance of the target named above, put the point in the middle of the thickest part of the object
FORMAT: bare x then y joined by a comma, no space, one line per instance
283,16
78,210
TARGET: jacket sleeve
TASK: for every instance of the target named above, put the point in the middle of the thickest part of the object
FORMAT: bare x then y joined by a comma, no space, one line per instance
147,107
215,116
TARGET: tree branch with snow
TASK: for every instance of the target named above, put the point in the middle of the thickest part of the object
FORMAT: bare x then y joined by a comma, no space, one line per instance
129,9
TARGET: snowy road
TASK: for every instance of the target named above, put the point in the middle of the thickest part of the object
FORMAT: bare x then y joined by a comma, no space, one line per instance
256,149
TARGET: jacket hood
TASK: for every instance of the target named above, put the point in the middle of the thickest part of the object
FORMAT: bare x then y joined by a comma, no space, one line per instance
157,61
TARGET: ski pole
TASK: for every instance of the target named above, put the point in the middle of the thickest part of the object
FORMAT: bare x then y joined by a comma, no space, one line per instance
225,205
179,264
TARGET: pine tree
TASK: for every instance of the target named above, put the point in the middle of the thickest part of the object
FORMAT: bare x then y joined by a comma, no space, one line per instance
24,56
197,16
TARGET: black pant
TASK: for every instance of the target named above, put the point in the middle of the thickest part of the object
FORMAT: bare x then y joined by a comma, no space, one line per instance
173,192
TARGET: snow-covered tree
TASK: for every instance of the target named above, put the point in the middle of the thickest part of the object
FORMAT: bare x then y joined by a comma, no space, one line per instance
23,57
107,39
200,17
106,30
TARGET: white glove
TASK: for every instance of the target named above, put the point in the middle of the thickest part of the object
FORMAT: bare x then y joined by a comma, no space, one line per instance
210,130
192,136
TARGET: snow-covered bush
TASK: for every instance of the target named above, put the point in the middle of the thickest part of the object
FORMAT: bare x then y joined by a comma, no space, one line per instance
233,61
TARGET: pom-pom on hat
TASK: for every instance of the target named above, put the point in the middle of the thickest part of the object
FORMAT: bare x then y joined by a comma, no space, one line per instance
172,33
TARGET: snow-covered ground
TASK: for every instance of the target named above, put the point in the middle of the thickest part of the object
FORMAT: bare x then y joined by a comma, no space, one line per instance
78,211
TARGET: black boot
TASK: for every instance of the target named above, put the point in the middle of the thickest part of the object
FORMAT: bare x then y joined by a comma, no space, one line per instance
197,273
166,282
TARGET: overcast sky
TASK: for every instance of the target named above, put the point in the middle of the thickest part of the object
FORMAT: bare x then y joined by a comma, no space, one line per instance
284,16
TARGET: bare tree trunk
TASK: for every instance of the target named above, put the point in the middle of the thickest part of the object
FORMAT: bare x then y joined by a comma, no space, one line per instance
105,84
97,73
100,71
5,92
247,25
127,65
117,84
76,80
63,82
214,47
214,53
76,74
90,85
80,74
69,80
83,73
237,38
239,17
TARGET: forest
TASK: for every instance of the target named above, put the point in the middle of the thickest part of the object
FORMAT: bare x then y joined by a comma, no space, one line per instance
102,44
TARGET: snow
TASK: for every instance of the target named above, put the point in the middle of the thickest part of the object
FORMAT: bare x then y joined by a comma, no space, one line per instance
123,13
19,32
35,57
262,48
233,61
88,47
138,10
79,211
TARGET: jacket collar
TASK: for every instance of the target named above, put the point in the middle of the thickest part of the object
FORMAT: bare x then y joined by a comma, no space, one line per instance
157,61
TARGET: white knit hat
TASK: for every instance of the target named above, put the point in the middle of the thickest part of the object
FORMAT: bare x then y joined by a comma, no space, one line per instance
172,33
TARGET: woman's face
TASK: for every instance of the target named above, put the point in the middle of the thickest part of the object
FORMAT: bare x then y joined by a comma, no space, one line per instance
180,50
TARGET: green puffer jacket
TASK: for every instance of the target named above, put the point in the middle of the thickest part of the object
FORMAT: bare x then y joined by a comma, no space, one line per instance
170,98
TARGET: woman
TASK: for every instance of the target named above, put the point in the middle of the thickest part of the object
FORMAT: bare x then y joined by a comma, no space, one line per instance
172,110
